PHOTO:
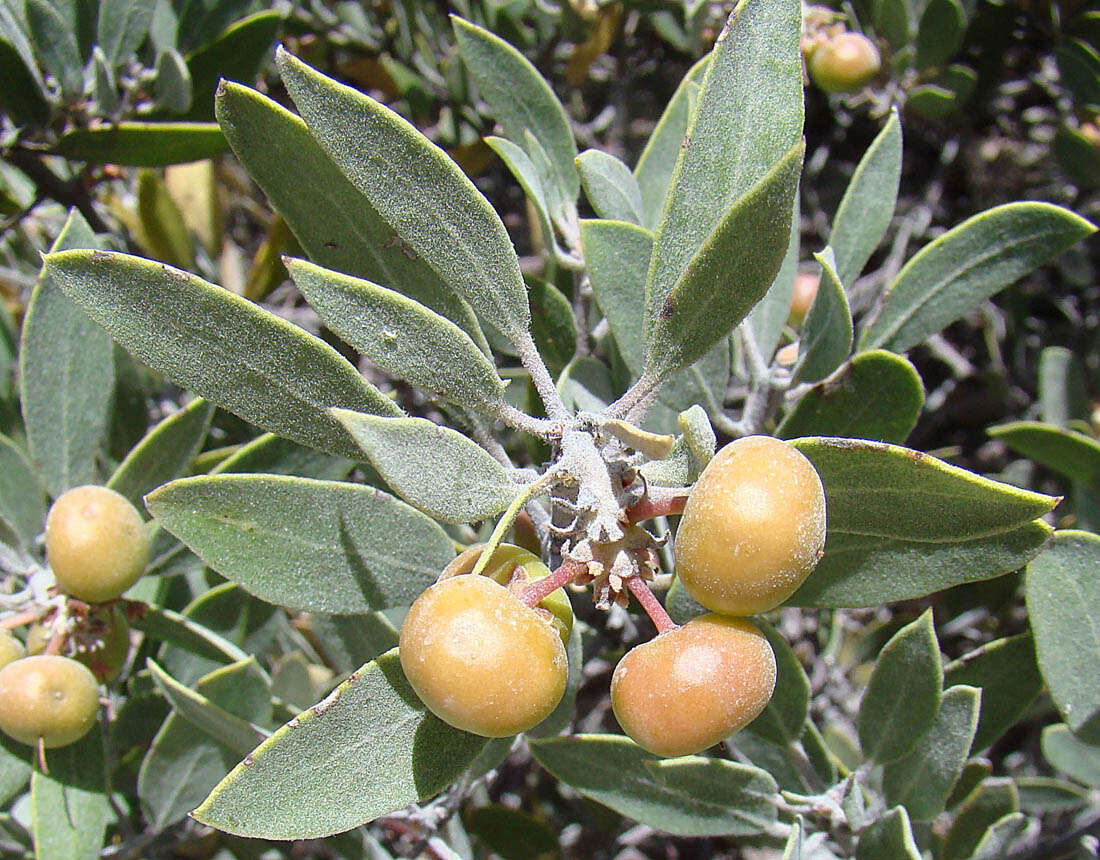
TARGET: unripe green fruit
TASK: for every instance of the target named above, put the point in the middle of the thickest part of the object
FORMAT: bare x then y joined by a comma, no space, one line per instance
753,527
692,686
844,63
480,659
10,648
48,697
96,543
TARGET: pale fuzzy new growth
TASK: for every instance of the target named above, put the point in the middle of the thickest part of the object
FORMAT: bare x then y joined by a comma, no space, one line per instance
480,659
693,686
753,528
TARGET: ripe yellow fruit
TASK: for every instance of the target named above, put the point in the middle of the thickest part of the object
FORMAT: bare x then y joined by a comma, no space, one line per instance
96,543
692,686
480,659
805,291
753,527
10,648
844,63
48,697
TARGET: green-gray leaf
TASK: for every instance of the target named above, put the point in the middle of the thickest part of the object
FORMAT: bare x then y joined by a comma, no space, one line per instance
430,203
165,453
868,204
863,570
69,806
884,490
278,456
922,780
968,264
986,805
1063,392
122,27
335,224
689,796
827,334
517,161
769,318
1006,672
368,749
1063,604
691,307
402,336
21,507
903,695
889,838
1071,755
658,160
940,32
1068,452
617,255
143,144
433,468
520,100
310,545
610,186
67,376
784,717
227,349
55,45
747,121
878,396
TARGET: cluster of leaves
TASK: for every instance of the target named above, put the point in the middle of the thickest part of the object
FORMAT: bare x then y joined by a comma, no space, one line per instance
326,526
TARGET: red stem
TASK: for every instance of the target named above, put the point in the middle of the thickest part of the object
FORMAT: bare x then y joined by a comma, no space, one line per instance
540,589
13,621
651,604
647,509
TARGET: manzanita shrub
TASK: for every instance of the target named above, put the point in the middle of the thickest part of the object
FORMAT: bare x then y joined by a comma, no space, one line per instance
573,425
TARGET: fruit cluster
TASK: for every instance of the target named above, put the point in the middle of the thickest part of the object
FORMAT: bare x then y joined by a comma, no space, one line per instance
97,547
486,653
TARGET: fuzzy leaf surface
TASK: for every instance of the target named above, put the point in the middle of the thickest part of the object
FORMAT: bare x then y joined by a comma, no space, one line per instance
903,696
337,226
878,396
369,748
864,213
1063,604
165,453
689,796
748,120
922,780
122,27
1008,676
889,838
433,468
1071,755
67,375
827,334
985,806
431,204
610,186
21,506
520,99
306,544
881,490
69,807
1063,389
658,160
769,318
967,265
402,336
689,308
221,346
784,717
617,254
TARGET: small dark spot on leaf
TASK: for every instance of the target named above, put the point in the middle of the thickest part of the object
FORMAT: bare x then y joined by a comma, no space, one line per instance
667,310
248,760
330,245
101,255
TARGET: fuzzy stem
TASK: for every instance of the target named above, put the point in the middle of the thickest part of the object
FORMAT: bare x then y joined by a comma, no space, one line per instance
520,420
540,376
636,394
540,589
647,509
650,604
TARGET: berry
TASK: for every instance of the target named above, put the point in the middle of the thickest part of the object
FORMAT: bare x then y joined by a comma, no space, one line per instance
805,290
692,686
96,543
48,697
844,63
480,659
10,648
753,527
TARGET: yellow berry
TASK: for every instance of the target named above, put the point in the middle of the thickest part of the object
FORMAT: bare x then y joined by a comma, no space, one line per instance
480,659
48,697
10,648
845,63
96,543
692,686
753,527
